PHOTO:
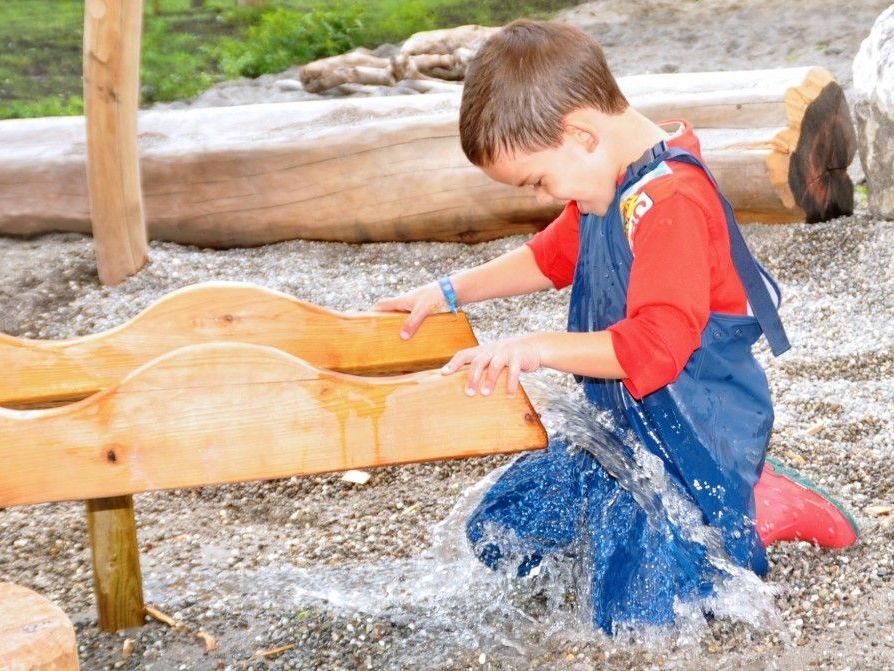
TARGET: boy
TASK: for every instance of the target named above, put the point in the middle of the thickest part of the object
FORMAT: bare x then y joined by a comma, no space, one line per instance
666,302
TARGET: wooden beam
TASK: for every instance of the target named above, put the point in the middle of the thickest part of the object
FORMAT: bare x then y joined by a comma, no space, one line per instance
391,168
111,94
37,371
232,412
34,633
117,580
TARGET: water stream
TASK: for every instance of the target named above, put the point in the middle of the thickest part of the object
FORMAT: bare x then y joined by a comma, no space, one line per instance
448,604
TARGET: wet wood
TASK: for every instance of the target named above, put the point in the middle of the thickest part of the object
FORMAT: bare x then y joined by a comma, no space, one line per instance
40,371
117,580
34,633
232,412
805,162
112,31
391,168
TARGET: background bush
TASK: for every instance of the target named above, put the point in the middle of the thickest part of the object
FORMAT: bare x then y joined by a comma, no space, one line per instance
187,49
284,37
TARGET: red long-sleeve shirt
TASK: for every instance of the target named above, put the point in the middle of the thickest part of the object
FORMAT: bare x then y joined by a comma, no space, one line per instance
682,269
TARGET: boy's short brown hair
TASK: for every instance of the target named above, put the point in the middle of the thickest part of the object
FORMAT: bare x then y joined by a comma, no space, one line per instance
522,83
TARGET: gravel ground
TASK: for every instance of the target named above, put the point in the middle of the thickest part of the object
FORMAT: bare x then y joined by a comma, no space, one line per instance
247,563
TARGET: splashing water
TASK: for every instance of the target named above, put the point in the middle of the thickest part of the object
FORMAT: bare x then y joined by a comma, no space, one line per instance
740,595
454,604
449,606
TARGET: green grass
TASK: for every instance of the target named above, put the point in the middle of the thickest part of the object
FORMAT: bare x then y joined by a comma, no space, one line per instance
861,194
186,50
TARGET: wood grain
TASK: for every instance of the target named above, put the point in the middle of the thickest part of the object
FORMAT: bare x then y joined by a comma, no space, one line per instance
231,412
35,635
359,170
364,343
117,579
112,30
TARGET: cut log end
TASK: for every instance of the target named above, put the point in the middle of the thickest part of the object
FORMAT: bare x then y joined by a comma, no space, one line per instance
34,633
818,175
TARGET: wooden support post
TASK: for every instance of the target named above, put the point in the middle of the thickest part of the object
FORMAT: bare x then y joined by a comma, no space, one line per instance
111,92
116,562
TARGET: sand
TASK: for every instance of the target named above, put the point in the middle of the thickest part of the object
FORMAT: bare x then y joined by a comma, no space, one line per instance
220,558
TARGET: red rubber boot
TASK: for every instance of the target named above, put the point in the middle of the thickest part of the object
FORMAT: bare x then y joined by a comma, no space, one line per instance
791,508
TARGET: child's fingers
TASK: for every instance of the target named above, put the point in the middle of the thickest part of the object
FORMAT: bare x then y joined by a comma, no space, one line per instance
494,368
459,360
390,305
417,315
512,376
476,368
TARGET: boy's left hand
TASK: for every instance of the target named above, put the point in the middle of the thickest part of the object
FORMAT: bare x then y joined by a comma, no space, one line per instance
486,362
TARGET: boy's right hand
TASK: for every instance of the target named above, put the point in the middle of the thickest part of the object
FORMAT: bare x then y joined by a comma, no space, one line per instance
420,303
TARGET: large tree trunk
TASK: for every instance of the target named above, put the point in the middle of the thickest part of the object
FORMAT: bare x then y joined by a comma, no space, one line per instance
391,168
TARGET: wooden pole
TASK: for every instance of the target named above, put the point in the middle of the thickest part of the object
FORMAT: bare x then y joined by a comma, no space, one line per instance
111,92
116,562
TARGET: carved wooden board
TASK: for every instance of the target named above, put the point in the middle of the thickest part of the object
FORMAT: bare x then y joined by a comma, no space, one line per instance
229,412
38,371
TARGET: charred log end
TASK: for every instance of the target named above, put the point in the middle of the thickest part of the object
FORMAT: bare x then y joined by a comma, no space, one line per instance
818,175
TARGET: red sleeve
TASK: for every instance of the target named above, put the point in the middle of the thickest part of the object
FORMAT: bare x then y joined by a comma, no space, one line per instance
556,246
668,299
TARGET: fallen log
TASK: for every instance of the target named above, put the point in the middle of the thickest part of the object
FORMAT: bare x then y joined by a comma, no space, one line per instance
390,168
359,66
433,54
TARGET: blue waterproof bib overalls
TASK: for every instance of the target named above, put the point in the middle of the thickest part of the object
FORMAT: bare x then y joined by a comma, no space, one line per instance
710,428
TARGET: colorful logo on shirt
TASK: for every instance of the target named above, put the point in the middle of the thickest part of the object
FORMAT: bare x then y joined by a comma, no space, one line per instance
635,203
632,209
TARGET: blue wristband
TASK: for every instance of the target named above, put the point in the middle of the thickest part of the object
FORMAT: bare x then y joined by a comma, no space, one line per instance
449,293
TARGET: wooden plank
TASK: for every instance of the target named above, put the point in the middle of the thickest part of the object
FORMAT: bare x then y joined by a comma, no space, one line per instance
35,634
111,92
368,343
230,412
117,580
387,168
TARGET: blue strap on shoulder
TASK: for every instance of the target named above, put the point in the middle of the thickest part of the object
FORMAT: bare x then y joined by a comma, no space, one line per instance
750,271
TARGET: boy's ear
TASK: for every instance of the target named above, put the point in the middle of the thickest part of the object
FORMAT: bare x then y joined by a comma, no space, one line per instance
583,135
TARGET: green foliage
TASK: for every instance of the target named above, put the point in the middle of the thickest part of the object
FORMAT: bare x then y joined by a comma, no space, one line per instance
49,106
174,65
285,37
861,194
186,50
395,20
40,62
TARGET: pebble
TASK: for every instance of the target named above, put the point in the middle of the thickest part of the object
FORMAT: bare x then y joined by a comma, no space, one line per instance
289,85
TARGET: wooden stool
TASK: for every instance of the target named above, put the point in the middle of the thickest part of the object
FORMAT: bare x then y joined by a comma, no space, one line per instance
34,633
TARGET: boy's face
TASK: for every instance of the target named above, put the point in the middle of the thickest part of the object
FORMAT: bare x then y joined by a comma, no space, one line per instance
582,168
